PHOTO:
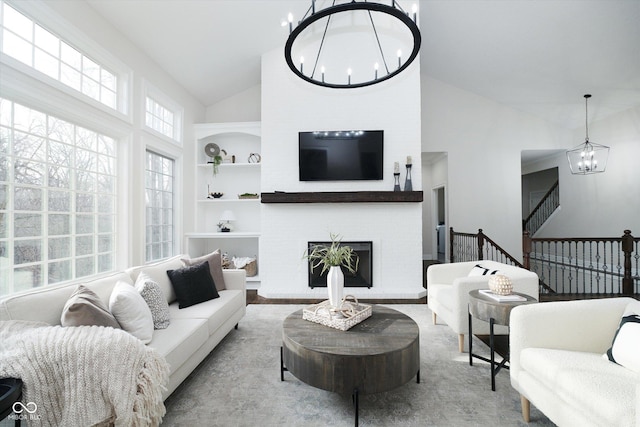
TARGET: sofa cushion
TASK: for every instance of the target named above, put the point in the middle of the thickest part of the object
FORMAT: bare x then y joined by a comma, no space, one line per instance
604,391
193,285
625,349
215,266
131,311
150,291
215,311
84,308
180,340
158,272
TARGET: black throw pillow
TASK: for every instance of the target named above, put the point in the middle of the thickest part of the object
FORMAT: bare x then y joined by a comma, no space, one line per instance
193,284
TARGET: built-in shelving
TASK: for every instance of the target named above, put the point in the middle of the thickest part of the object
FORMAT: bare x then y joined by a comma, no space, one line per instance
233,178
343,197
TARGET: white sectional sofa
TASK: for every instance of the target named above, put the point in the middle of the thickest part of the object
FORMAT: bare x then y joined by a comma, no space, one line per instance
557,363
192,333
448,287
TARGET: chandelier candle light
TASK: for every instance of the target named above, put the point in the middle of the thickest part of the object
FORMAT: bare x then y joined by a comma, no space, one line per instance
588,157
336,33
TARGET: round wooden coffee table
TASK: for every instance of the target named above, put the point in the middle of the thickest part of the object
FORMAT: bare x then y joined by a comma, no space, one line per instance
378,354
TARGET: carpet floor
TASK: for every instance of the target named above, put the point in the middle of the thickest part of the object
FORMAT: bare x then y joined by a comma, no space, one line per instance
238,384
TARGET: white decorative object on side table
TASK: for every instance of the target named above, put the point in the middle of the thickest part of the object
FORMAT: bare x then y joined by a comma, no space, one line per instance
500,284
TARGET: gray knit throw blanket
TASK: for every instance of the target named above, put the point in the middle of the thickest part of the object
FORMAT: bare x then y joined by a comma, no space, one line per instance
83,376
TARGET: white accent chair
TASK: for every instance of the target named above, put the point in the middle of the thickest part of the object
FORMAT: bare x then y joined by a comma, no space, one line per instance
448,287
557,363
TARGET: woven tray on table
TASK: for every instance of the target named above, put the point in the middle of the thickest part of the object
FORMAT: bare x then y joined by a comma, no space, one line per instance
343,318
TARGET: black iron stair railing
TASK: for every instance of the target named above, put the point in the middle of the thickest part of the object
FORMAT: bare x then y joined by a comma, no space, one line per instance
565,266
543,210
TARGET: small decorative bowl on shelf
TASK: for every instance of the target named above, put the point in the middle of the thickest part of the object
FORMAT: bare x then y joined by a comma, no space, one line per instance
215,195
248,196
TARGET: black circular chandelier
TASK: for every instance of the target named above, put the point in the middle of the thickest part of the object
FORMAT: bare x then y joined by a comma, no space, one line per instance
383,67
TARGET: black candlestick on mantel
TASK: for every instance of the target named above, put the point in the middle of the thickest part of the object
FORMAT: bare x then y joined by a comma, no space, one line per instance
396,179
407,181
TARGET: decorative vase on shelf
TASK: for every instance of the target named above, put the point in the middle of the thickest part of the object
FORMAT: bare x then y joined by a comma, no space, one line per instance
407,181
335,285
396,179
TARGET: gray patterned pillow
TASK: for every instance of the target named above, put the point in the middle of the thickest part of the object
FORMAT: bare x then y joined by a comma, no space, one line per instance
153,296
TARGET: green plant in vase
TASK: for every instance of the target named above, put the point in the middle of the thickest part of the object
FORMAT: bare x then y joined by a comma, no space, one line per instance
331,258
217,160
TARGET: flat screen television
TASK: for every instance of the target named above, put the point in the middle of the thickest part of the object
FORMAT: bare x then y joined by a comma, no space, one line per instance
340,155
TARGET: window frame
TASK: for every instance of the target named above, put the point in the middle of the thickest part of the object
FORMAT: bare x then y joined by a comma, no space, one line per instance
44,16
175,247
73,190
150,91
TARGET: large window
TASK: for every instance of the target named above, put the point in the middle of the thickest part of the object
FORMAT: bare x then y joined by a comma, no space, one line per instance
159,183
57,199
32,44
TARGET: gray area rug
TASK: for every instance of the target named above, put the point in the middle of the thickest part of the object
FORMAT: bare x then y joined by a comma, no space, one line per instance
238,384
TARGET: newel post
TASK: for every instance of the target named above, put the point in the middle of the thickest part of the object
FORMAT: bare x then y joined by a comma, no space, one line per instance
451,245
526,250
627,248
480,243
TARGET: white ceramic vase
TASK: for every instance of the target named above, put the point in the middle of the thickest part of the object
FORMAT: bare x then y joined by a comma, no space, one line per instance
335,285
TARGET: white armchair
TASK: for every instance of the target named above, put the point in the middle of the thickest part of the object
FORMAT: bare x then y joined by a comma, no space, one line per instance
448,287
557,363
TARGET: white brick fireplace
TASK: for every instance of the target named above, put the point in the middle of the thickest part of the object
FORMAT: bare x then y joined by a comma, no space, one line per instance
290,105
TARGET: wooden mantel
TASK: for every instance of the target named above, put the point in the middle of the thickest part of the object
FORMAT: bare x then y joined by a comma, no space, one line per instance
343,197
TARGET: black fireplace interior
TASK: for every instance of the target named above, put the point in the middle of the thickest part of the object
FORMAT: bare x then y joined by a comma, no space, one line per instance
360,279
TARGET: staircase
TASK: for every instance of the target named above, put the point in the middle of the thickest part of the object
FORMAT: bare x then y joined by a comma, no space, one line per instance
543,210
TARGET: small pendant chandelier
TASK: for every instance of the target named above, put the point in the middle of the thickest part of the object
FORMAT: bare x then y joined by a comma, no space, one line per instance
588,157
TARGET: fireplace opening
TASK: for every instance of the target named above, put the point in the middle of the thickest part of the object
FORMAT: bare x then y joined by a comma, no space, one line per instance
360,279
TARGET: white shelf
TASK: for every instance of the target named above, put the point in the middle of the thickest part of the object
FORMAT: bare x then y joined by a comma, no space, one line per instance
230,165
228,235
229,200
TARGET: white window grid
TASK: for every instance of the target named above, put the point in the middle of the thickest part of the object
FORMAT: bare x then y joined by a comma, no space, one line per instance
159,197
57,199
30,43
159,118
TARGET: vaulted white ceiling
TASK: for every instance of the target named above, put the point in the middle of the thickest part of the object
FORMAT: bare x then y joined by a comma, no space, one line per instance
538,56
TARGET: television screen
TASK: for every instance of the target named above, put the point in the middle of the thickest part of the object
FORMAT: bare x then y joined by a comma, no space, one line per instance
341,155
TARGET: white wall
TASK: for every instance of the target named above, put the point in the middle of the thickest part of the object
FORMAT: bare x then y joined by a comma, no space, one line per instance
603,204
290,105
483,140
242,107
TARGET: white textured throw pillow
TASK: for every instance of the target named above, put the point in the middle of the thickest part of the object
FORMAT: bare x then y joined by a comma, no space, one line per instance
131,311
155,299
625,349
